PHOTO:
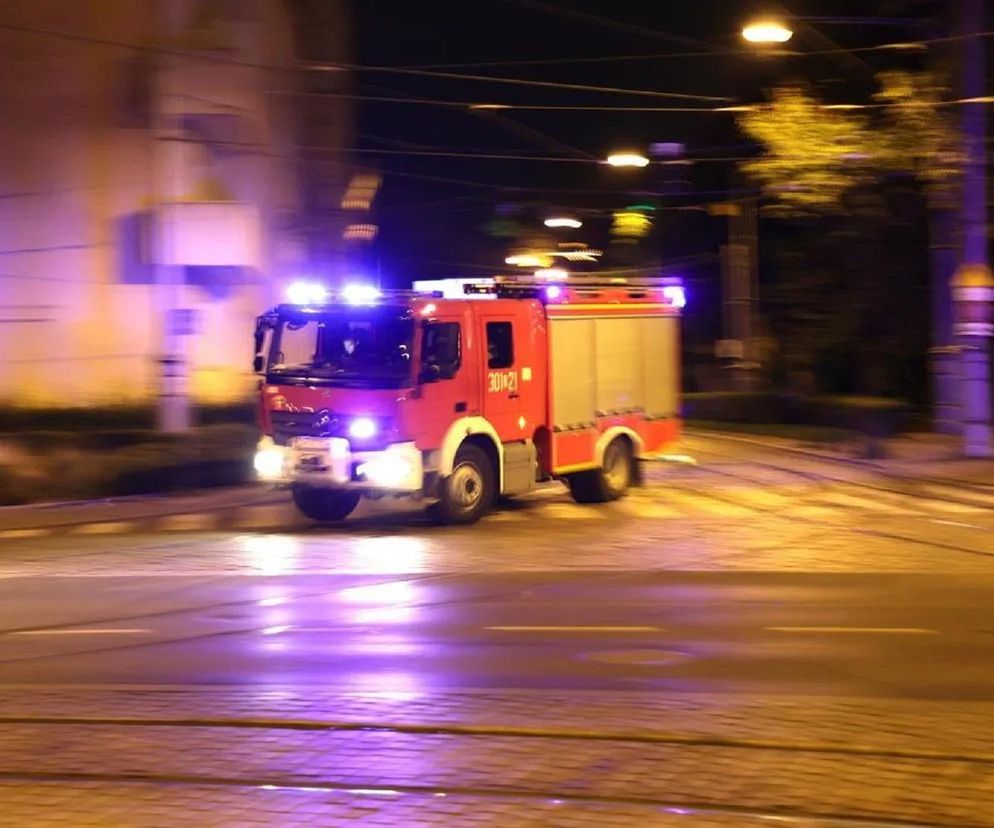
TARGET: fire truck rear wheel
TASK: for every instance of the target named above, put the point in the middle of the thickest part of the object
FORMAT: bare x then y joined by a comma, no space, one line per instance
610,481
325,505
469,492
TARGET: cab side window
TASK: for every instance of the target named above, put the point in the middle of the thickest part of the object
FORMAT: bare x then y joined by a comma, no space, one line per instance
500,345
441,351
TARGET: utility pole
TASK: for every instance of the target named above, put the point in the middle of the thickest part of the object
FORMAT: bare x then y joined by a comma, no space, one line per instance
973,287
173,401
740,292
944,259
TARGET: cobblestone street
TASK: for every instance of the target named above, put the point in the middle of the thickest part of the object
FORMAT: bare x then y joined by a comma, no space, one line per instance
733,645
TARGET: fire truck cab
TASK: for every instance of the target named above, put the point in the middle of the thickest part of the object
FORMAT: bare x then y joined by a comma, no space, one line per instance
459,400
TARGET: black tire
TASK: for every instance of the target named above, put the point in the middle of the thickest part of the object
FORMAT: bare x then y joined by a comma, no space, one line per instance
324,505
611,481
469,492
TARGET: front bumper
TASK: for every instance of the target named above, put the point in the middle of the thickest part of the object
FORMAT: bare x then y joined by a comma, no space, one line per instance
330,462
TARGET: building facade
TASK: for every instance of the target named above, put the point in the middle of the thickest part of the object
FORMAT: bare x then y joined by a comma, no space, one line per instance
152,192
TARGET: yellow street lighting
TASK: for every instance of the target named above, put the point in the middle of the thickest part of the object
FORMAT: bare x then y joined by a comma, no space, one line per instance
767,31
627,159
529,260
563,221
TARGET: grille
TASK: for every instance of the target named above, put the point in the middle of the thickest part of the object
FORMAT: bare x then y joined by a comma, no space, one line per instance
289,424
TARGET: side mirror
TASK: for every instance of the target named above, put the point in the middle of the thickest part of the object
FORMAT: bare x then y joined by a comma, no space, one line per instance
258,364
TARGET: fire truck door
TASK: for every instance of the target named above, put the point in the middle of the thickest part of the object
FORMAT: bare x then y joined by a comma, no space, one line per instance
503,358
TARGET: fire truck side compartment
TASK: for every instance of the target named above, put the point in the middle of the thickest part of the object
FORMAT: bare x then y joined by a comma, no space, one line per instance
604,366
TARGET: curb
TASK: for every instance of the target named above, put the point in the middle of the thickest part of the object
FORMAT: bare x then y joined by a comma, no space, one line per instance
270,515
206,510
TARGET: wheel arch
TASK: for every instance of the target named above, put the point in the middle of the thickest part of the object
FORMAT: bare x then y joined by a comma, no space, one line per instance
610,435
478,431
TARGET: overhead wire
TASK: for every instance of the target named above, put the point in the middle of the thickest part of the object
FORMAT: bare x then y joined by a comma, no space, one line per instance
498,107
215,58
444,153
477,106
610,23
574,87
343,66
529,134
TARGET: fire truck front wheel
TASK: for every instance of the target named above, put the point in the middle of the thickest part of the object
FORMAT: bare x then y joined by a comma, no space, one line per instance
609,482
325,505
469,492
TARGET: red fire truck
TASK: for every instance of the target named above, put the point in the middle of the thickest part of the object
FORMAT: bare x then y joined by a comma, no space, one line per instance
460,400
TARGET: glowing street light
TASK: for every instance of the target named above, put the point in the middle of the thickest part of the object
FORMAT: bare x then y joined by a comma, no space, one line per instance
767,31
627,159
558,221
528,260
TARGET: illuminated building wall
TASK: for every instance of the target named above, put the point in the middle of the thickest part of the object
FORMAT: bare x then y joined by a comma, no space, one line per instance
81,319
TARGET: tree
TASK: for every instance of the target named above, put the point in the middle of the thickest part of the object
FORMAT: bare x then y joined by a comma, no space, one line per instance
816,153
846,180
813,155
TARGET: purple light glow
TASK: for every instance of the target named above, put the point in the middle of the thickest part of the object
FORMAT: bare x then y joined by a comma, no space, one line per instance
553,292
306,293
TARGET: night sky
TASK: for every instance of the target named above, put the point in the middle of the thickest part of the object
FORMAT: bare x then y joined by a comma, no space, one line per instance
431,227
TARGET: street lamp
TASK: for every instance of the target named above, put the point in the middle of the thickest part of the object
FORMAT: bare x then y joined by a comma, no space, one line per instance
767,31
950,381
627,159
563,221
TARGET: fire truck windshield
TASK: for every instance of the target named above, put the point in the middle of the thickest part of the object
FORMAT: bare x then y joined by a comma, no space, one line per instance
365,347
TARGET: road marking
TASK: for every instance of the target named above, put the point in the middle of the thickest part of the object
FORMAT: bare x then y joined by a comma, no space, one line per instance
84,631
956,508
25,533
650,511
943,491
763,498
956,523
701,504
866,630
571,511
110,528
867,503
579,628
506,517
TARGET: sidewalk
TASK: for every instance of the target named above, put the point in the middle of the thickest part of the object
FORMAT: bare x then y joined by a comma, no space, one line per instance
225,503
492,758
934,456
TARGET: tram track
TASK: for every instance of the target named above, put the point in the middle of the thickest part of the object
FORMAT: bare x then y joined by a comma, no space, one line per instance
981,489
789,513
803,818
501,732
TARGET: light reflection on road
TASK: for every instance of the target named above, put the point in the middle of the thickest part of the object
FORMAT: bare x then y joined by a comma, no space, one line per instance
270,554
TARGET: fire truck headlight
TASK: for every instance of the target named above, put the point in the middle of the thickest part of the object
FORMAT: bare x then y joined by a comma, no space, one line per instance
388,470
675,295
268,460
362,428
